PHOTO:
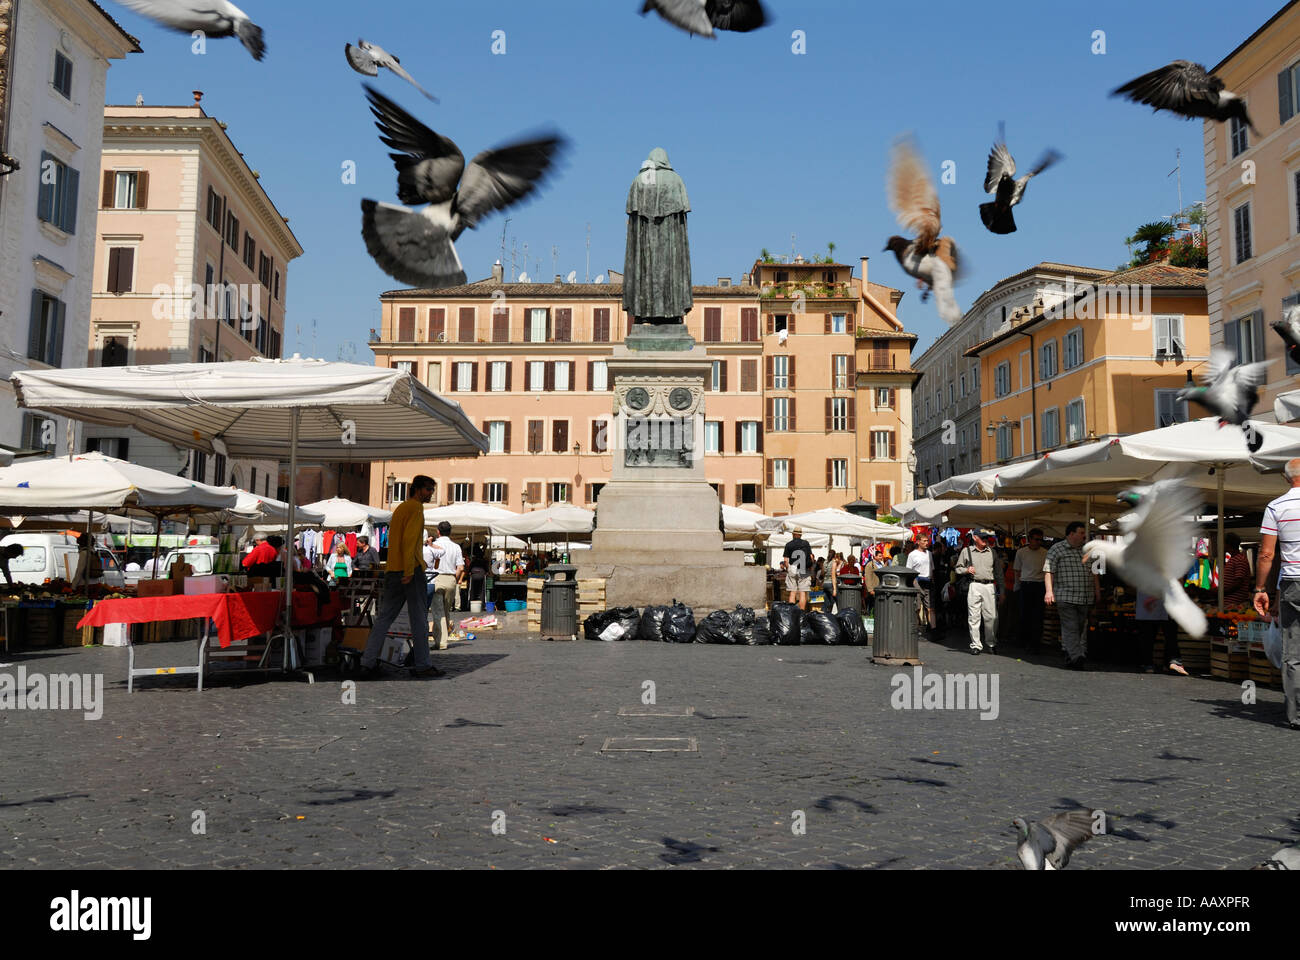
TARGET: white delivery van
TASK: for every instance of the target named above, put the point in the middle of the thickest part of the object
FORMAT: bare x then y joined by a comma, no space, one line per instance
53,556
201,557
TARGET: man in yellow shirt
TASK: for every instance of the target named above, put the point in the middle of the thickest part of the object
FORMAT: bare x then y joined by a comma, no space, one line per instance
404,584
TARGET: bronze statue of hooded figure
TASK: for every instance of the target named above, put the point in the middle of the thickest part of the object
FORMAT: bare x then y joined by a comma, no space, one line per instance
657,263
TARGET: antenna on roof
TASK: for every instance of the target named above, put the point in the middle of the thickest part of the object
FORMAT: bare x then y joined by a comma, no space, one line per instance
555,259
588,274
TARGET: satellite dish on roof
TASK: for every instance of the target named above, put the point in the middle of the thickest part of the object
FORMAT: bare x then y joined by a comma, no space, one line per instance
572,277
601,278
523,278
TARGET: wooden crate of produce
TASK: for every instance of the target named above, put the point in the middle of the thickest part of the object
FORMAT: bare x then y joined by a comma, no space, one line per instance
1195,654
1229,660
1262,670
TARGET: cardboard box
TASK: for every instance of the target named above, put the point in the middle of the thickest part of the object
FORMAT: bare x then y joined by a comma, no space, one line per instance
395,650
156,588
354,638
200,585
117,634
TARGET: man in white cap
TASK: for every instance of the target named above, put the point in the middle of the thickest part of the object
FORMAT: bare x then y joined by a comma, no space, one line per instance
797,561
981,562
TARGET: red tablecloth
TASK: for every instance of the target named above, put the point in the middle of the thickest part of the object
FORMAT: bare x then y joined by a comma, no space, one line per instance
238,616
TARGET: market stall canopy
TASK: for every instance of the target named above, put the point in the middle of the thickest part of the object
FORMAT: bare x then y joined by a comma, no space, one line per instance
1185,450
75,521
1287,407
977,484
339,514
349,412
252,509
836,523
559,519
970,513
92,481
466,517
740,525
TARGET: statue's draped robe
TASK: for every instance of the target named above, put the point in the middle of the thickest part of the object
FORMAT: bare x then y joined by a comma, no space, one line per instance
657,264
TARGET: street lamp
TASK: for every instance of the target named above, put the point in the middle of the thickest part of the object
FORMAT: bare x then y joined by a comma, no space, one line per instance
791,501
392,486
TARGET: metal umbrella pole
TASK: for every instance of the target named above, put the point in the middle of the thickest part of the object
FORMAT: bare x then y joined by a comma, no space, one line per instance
1218,546
290,645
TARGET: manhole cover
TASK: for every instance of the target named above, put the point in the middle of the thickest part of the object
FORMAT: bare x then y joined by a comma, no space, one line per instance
644,711
650,745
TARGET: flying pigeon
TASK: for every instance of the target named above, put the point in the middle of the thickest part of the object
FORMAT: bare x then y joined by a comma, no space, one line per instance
367,58
216,18
1048,845
1288,328
933,260
700,17
1288,858
1002,183
1231,392
416,246
1187,89
1156,550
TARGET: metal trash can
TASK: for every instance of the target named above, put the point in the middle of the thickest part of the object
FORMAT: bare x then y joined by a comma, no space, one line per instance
897,636
849,596
560,602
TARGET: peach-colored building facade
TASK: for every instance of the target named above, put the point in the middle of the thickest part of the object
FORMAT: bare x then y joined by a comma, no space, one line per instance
783,416
1252,200
191,262
1071,370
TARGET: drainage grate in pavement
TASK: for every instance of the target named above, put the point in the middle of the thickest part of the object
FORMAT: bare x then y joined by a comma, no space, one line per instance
650,745
643,711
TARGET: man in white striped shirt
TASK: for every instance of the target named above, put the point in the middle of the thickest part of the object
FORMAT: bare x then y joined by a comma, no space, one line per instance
1282,526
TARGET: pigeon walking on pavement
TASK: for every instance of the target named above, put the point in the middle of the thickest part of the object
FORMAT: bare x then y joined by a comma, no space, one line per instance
1047,845
215,18
367,58
1288,328
932,259
1007,190
1187,89
1288,858
417,246
701,17
1156,551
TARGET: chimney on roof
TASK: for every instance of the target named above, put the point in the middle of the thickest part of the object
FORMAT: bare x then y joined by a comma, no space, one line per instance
498,272
559,279
198,97
724,281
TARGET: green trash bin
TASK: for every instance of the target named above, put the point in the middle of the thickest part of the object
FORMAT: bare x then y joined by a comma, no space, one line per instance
560,602
896,640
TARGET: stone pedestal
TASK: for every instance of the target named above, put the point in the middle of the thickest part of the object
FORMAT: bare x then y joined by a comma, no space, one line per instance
658,530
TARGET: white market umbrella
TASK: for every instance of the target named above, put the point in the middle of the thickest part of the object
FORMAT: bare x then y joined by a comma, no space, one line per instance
252,509
468,518
836,523
337,513
740,525
559,519
1287,407
970,513
977,484
327,411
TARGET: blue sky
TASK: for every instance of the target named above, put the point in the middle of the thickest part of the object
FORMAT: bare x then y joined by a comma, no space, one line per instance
770,143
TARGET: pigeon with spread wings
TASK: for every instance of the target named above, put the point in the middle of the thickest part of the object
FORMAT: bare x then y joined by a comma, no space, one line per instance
417,246
215,18
701,17
1007,190
1157,550
1288,328
367,58
1187,89
933,260
1047,844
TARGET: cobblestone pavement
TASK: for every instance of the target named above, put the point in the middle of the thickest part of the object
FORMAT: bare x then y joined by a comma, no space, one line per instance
287,775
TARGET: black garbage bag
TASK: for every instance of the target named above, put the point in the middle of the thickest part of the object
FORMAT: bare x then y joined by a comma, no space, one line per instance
784,622
717,627
855,633
652,624
620,623
821,630
760,634
679,624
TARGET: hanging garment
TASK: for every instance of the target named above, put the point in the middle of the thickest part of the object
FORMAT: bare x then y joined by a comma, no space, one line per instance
351,540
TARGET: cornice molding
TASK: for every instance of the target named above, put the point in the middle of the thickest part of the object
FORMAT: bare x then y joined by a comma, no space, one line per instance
204,133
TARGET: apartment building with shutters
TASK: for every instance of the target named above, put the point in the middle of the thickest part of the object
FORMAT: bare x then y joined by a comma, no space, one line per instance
54,62
1066,372
528,362
1252,203
191,266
